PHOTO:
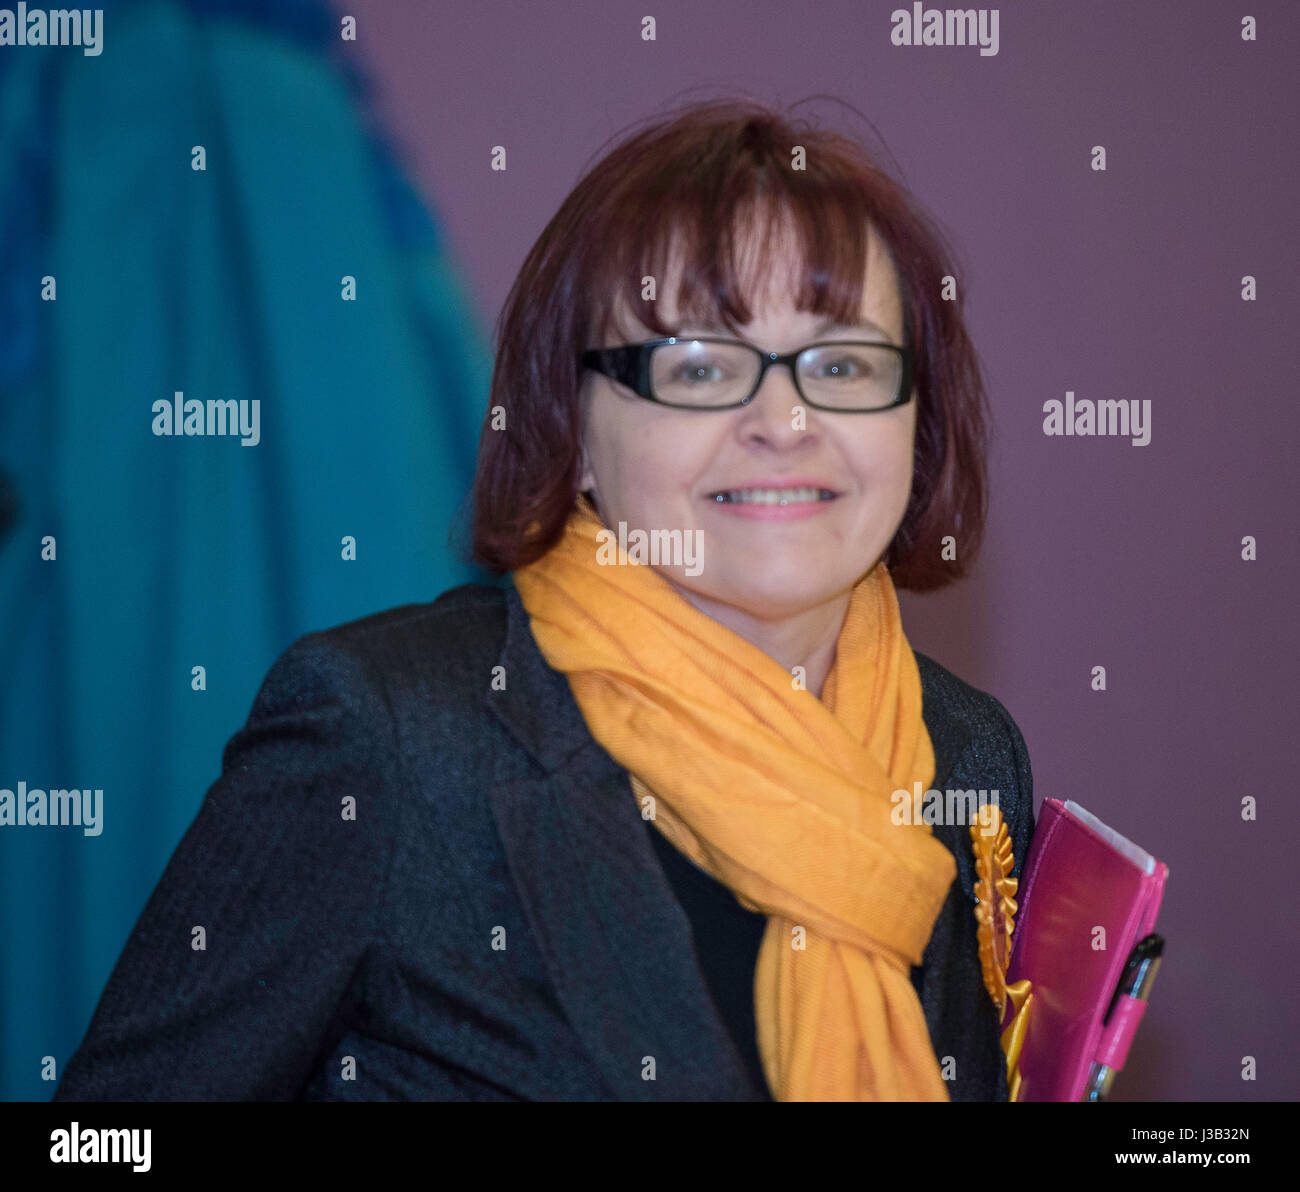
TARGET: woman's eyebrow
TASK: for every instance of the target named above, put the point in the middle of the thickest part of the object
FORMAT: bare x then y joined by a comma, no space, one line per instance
821,329
862,325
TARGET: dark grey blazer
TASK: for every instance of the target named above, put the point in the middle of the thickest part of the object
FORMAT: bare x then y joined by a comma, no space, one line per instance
493,923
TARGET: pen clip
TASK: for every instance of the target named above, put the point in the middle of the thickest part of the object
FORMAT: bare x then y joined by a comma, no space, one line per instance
1139,972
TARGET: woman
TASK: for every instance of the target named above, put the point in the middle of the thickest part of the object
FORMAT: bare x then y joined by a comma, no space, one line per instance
628,829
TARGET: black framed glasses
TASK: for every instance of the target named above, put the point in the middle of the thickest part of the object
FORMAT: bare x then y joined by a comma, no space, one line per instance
706,373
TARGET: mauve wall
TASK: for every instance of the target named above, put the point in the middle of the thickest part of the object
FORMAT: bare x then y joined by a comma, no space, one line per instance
1122,284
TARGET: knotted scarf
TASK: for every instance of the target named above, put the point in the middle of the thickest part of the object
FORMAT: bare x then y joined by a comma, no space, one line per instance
783,797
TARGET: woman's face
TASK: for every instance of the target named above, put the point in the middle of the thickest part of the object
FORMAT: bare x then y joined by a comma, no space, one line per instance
658,468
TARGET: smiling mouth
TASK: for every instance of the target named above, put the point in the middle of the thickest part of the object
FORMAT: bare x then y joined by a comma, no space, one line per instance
771,496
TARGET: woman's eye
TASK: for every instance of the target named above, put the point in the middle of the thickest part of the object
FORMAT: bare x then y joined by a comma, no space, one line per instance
846,368
701,373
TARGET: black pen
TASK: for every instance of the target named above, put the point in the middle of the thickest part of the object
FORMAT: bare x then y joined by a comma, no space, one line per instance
1135,981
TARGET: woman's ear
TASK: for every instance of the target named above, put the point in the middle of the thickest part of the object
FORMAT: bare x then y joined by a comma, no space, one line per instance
586,477
587,481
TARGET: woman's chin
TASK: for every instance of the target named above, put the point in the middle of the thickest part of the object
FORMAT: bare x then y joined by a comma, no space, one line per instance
770,600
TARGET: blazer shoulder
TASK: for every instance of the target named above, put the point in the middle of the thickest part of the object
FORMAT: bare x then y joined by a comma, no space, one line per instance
471,614
954,703
413,659
447,638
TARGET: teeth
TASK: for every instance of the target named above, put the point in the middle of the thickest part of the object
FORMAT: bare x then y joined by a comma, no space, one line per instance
772,496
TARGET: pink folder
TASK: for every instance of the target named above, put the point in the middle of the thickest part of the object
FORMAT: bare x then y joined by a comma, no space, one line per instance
1080,875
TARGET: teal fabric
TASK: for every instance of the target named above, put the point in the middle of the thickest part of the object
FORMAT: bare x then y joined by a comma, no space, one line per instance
180,552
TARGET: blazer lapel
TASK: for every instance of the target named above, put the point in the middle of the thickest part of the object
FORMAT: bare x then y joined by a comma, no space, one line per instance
616,943
950,737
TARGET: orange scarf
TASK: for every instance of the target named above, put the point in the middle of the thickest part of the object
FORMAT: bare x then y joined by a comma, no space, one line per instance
781,796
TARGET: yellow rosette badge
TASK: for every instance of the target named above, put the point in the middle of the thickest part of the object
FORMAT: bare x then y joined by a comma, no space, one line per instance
995,914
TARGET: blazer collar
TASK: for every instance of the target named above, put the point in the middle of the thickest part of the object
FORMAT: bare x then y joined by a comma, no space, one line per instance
616,942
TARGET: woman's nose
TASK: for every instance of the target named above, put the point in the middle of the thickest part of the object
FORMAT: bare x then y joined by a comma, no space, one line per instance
774,410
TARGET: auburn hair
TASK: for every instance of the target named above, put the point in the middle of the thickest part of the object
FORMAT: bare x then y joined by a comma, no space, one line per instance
684,184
